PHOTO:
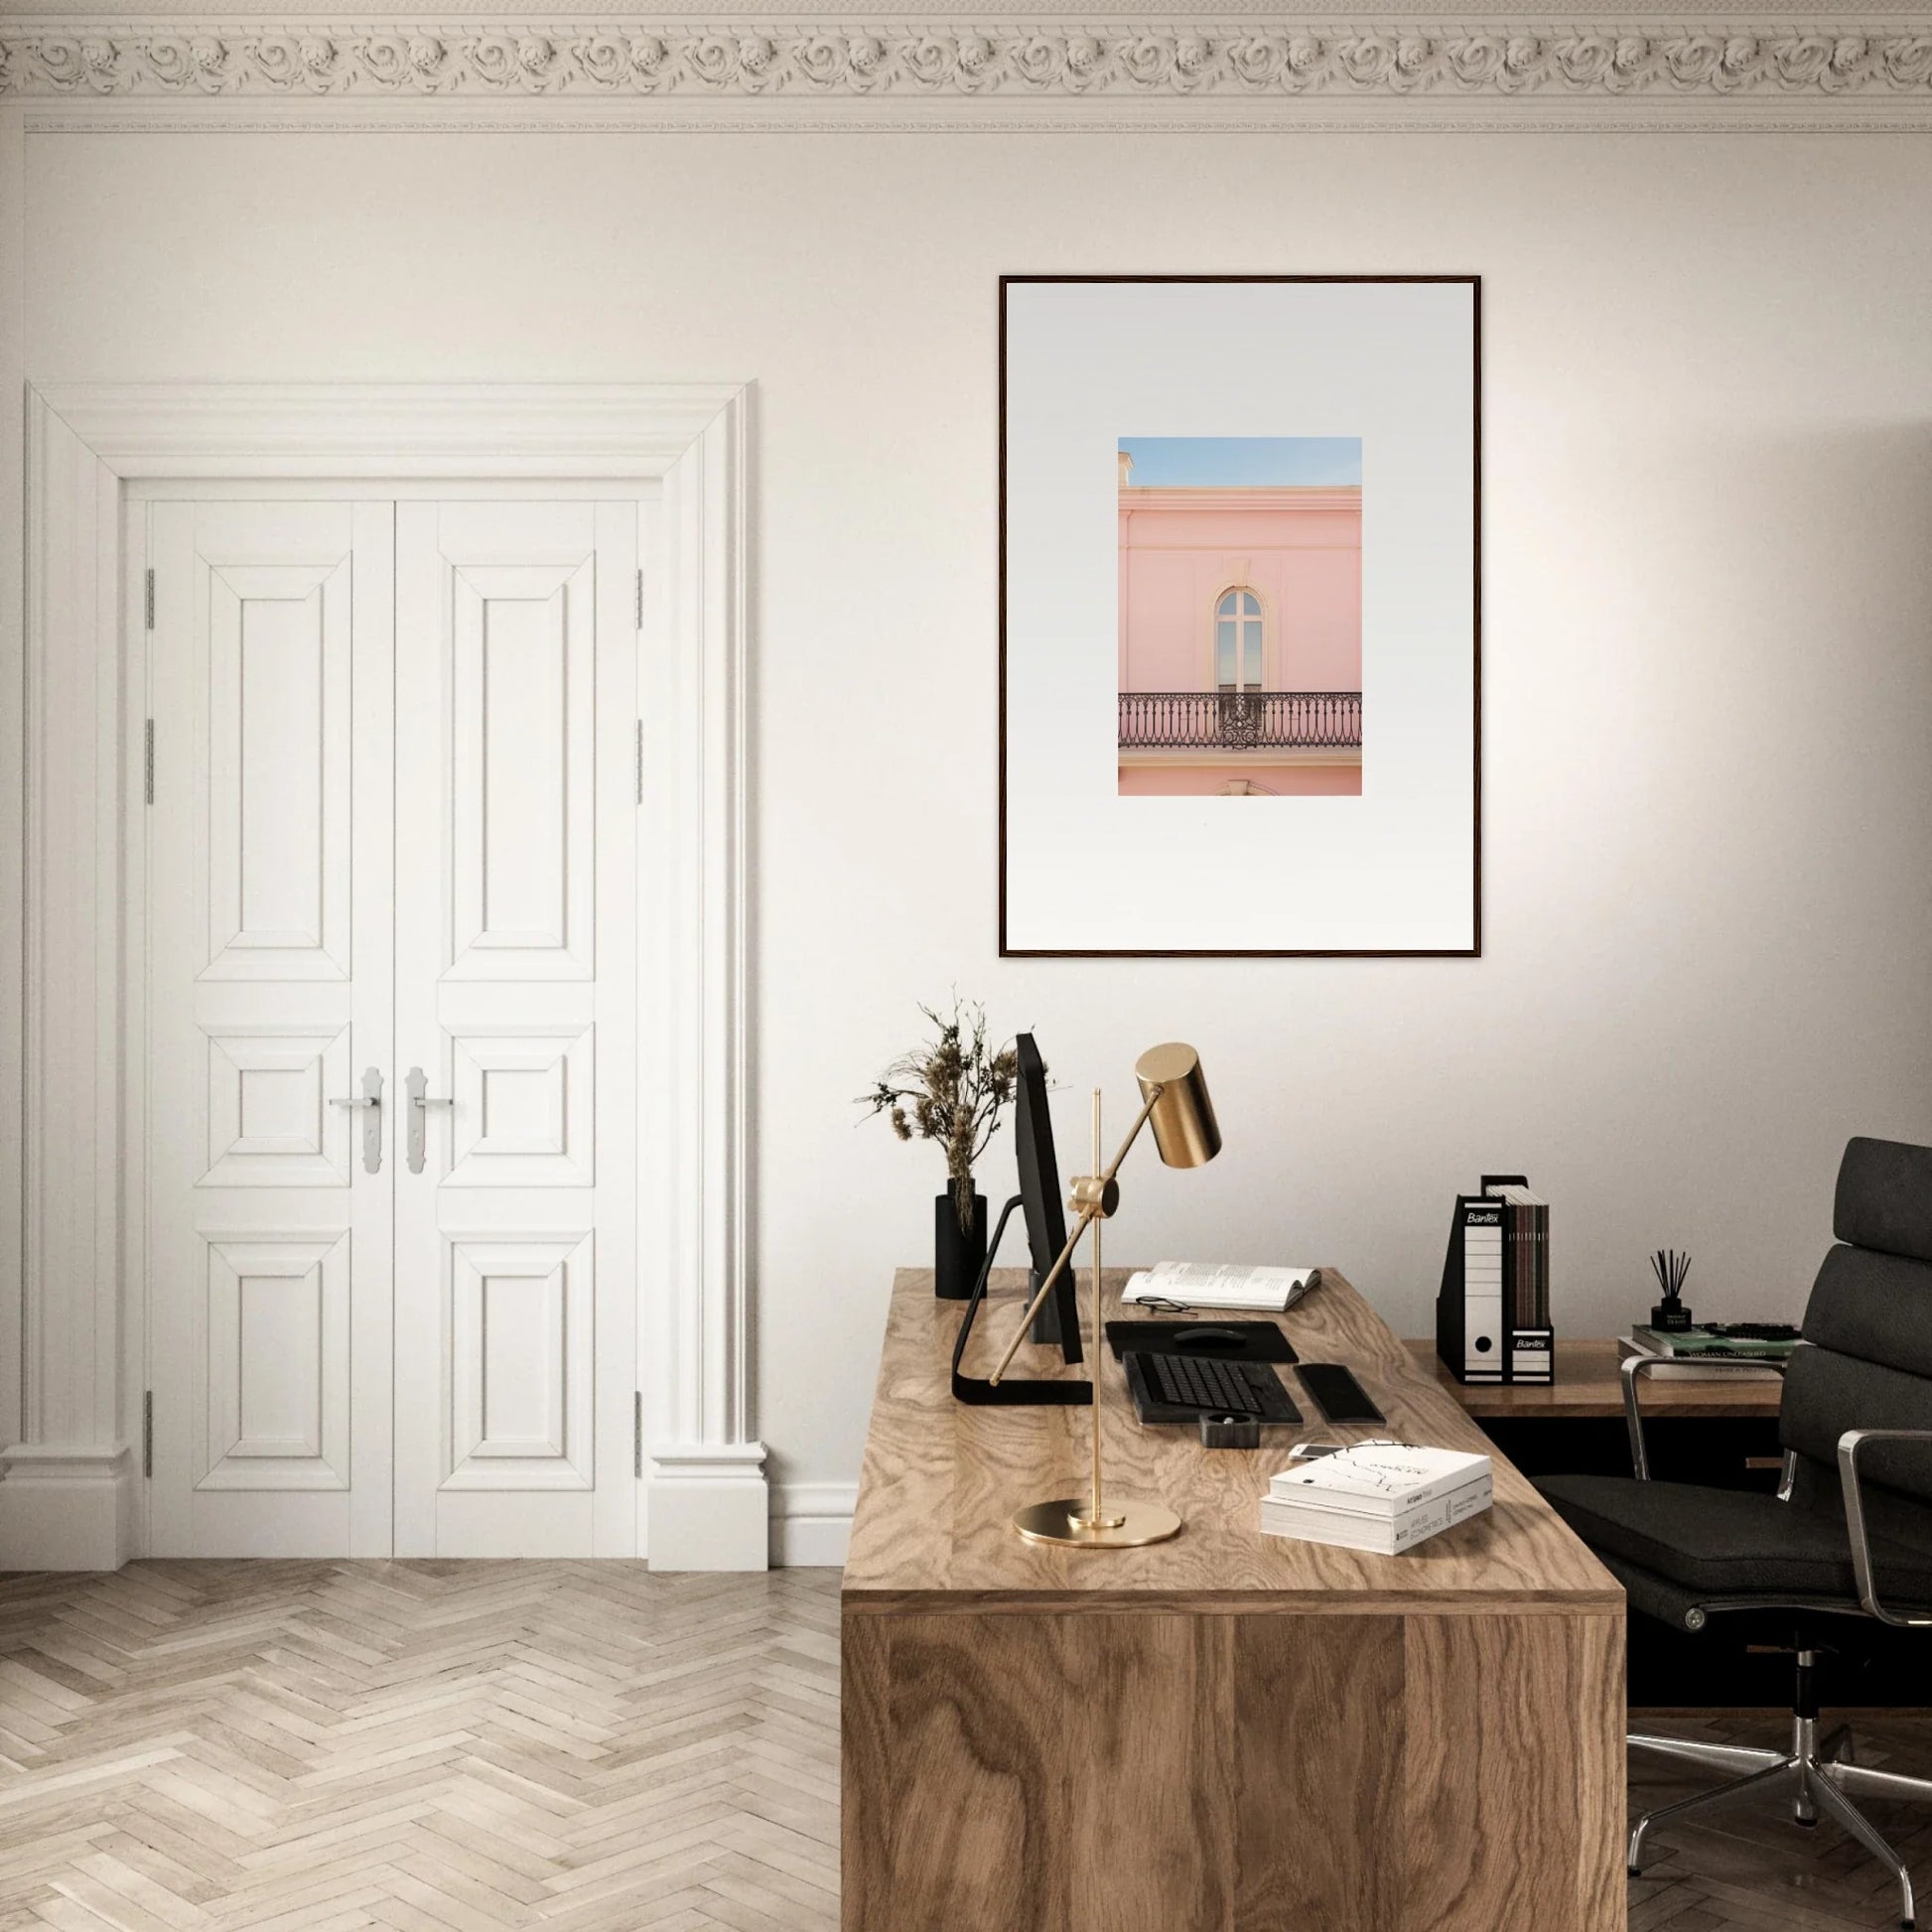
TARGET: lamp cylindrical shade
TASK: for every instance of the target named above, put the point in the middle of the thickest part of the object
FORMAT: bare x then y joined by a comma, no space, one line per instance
1184,1128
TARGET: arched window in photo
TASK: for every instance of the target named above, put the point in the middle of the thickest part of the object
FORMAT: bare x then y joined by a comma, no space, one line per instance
1237,641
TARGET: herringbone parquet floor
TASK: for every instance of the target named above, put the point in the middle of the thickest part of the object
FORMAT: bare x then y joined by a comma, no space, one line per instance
429,1746
463,1747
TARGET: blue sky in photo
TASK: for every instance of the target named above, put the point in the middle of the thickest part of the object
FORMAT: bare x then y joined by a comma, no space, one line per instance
1195,462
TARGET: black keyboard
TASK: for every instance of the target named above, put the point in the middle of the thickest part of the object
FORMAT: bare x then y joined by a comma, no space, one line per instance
1188,1386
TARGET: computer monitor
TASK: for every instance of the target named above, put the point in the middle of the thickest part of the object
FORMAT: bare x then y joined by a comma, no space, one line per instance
1039,1197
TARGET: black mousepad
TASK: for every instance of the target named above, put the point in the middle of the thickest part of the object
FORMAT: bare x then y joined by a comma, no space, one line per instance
1224,1341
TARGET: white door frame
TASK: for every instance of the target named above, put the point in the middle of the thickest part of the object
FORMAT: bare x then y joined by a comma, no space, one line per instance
72,1480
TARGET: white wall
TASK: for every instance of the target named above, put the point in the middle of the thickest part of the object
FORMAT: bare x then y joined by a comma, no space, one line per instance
1706,652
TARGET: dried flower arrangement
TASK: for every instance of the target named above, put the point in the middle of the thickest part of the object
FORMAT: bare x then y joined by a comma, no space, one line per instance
951,1090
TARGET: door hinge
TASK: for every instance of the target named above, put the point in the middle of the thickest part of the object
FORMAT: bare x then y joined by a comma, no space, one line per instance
147,1434
641,761
640,599
147,761
638,1433
150,599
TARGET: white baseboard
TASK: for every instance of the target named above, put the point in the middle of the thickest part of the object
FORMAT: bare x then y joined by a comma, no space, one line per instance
811,1522
709,1507
67,1508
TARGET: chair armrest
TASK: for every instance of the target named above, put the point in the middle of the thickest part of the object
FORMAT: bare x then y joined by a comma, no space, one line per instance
1848,1446
1634,1367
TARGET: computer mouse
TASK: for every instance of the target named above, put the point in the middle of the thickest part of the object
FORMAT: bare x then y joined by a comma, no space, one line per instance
1204,1338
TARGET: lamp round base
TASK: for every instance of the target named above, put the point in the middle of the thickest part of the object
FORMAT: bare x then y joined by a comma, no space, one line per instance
1054,1522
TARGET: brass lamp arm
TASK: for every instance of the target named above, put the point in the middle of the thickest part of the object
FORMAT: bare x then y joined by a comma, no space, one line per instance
1095,1209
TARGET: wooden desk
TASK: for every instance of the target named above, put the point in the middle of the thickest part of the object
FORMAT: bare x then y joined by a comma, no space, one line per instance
1587,1385
1227,1732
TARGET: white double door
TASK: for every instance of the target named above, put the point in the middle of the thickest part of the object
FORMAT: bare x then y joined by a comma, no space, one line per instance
391,860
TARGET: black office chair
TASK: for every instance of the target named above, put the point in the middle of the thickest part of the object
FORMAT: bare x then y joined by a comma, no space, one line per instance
1849,1536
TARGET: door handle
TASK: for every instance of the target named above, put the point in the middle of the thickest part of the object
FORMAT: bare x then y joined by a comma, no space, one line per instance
420,1102
371,1098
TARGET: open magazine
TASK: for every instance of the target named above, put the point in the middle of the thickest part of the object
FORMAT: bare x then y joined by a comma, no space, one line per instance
1218,1285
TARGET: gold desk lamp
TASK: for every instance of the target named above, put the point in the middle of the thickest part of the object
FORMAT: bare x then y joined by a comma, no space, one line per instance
1175,1102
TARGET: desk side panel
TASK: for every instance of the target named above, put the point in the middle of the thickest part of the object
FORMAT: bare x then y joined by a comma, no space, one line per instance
865,1771
973,1795
1085,1774
1148,1772
1149,1710
1514,1780
1317,1735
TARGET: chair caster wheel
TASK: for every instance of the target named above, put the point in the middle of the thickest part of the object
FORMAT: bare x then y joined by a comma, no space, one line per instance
1633,1872
1810,1824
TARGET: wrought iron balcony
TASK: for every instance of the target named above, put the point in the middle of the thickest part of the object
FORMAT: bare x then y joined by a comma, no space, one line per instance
1240,721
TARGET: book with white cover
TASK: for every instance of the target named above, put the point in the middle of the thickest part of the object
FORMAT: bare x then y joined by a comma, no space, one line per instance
1378,1478
1217,1285
1389,1536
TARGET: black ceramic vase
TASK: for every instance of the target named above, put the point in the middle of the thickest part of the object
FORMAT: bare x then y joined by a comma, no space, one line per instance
957,1257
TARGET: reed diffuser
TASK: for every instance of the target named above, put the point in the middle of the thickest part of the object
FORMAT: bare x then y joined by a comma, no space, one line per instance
1670,1314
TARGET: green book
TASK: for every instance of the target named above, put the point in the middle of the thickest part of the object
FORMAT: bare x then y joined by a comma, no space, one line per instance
1702,1341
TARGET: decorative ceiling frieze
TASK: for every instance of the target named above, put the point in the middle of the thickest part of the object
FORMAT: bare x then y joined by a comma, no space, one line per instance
1169,64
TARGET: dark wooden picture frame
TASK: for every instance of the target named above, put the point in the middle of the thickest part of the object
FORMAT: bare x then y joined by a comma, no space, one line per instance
1474,949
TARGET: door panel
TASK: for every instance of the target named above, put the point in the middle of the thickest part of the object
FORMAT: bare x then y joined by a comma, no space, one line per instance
269,1119
522,791
521,1329
515,972
279,680
524,1107
270,951
278,1398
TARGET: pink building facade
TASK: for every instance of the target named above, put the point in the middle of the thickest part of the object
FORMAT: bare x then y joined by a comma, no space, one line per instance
1240,639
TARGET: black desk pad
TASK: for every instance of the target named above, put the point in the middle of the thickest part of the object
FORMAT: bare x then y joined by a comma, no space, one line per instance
1226,1341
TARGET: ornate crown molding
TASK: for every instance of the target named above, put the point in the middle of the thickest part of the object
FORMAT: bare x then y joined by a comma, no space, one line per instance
1883,66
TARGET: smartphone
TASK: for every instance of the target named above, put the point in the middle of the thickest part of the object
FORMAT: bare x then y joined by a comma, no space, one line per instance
1337,1394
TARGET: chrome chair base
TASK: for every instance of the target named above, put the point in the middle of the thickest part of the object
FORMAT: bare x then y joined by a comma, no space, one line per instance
1816,1774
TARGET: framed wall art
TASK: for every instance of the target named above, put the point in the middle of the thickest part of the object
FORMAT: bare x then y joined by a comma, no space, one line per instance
1239,615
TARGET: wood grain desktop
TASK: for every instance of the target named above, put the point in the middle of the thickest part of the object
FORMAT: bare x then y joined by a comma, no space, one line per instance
1225,1732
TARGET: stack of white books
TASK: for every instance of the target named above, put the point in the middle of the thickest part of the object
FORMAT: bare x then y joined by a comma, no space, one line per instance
1381,1496
1218,1285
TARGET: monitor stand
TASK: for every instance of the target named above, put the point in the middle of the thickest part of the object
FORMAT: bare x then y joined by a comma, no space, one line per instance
1012,1390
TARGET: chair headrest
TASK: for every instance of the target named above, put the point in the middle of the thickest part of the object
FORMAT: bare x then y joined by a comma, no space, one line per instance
1885,1198
1876,1307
